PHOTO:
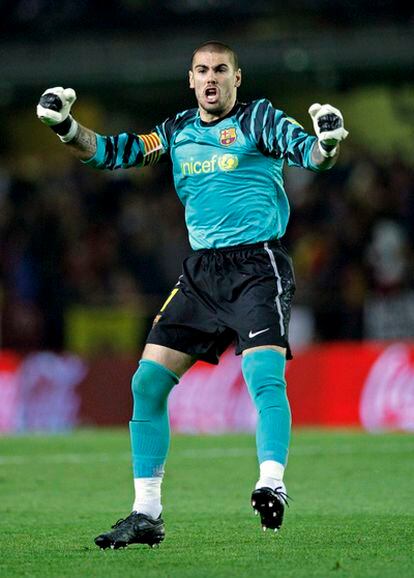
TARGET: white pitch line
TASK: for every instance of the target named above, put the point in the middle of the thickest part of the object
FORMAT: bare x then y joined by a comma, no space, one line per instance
197,454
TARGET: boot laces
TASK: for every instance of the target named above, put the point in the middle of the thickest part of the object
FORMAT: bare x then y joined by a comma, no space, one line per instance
282,495
122,520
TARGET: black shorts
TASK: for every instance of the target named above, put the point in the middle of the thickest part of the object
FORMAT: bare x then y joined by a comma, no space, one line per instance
239,294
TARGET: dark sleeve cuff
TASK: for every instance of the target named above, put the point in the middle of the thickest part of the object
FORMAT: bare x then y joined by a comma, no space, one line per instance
63,127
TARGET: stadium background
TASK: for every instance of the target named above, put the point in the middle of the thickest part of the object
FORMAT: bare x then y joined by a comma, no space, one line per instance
88,257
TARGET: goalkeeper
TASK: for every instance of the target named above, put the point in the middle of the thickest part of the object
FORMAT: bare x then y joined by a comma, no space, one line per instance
236,286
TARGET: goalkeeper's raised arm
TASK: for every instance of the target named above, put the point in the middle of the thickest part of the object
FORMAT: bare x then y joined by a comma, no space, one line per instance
54,111
103,152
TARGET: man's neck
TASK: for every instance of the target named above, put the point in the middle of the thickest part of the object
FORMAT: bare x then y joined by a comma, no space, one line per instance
211,117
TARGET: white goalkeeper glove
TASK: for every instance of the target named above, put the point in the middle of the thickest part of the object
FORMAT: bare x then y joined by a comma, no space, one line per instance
54,111
328,124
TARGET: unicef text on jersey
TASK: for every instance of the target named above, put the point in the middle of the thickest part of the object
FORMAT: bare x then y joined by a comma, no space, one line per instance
226,162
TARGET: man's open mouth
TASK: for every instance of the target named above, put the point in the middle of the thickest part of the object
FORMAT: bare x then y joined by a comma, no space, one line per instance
211,93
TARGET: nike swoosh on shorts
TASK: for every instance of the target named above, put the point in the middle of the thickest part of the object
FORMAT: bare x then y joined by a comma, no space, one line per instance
251,334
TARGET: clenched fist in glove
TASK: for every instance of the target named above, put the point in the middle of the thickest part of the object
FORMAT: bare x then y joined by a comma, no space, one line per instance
54,111
328,124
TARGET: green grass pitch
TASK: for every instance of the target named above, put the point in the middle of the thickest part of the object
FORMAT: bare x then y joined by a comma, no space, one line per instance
352,514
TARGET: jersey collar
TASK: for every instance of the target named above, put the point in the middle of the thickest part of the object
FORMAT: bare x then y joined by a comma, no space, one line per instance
214,122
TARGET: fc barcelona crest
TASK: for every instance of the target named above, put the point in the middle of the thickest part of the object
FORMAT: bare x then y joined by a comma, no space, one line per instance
228,136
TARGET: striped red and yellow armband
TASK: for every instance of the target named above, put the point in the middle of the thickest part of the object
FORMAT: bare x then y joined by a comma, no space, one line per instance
153,148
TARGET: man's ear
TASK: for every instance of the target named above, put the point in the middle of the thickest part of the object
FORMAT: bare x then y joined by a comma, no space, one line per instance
238,78
191,78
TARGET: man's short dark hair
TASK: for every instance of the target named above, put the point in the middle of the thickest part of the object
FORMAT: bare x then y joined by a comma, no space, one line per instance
217,46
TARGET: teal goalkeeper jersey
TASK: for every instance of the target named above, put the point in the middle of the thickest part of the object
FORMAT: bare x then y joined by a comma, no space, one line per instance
228,173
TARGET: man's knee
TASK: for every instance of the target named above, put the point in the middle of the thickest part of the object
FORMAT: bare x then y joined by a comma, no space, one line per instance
176,361
151,385
264,373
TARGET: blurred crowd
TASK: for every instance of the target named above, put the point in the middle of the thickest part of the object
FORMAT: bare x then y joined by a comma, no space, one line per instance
72,235
352,241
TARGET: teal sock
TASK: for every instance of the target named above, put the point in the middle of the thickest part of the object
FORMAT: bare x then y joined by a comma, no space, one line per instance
150,426
264,373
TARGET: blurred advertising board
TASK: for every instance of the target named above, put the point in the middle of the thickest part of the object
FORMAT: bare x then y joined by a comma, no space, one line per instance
368,385
9,391
49,396
39,392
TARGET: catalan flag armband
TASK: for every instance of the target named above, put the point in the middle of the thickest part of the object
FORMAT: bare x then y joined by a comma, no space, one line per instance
153,148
